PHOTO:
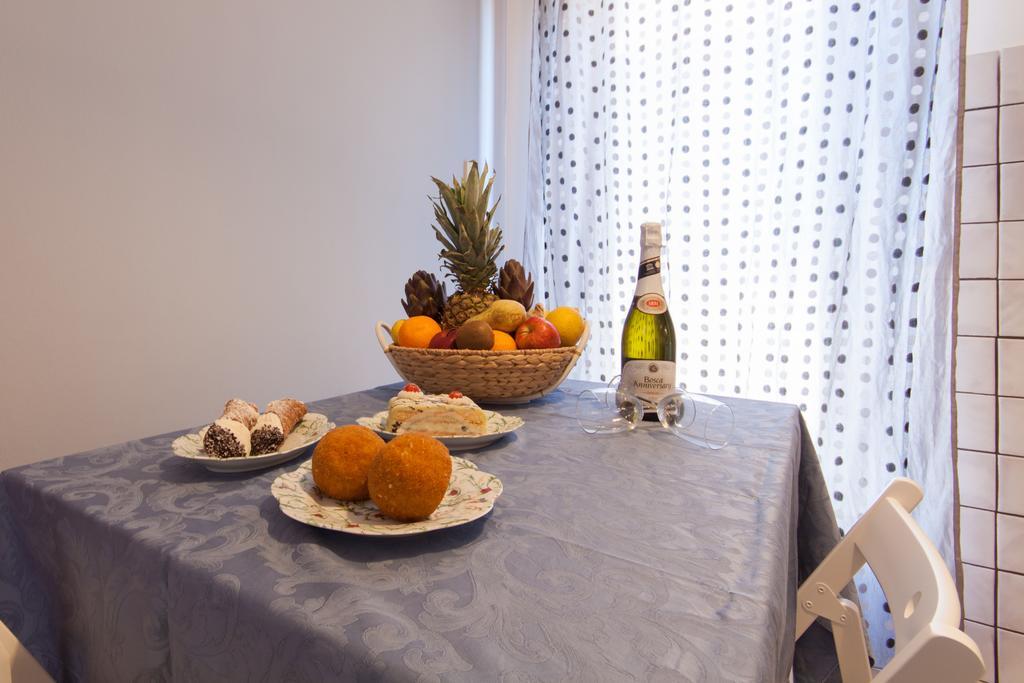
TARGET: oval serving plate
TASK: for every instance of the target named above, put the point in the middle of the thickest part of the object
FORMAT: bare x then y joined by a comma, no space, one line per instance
471,495
310,429
498,426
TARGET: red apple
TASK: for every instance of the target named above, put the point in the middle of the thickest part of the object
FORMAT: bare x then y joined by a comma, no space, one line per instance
443,340
537,333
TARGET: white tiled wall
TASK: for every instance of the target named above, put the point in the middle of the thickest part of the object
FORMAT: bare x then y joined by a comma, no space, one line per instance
990,361
977,537
985,637
980,134
979,253
977,479
1010,655
1010,546
976,364
1011,183
976,420
1011,249
1011,484
979,587
980,194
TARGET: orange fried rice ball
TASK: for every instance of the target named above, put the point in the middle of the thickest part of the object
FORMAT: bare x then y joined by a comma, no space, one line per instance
341,460
409,477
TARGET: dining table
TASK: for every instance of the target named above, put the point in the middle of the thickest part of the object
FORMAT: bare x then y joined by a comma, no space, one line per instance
618,557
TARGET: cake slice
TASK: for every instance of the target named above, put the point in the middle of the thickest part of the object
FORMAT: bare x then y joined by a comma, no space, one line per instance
436,414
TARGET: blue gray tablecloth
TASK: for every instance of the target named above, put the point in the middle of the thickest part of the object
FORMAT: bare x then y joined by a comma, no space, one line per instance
628,557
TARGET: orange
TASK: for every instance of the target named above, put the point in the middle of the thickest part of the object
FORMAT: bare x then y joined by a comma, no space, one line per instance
417,331
503,341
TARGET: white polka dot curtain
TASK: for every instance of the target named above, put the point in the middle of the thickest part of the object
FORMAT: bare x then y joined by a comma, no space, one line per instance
801,156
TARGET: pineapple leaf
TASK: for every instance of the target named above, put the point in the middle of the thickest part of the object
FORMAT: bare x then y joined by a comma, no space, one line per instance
485,196
464,228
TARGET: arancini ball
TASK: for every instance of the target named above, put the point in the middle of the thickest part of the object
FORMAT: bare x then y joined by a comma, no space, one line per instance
409,477
341,460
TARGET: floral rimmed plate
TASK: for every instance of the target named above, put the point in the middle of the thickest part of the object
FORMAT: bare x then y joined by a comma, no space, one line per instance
498,426
309,430
471,495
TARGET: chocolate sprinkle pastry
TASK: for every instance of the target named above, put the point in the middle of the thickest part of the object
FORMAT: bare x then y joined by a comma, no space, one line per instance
273,426
266,440
222,443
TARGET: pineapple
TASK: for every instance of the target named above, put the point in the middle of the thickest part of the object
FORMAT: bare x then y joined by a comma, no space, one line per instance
424,295
514,283
470,244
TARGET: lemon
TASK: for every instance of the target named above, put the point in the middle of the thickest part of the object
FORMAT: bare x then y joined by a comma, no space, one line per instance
568,322
394,329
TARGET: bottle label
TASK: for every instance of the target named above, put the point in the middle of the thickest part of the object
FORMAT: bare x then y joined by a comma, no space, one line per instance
649,267
652,303
649,380
649,297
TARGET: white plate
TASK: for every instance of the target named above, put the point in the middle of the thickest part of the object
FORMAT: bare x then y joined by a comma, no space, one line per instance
498,425
471,495
309,430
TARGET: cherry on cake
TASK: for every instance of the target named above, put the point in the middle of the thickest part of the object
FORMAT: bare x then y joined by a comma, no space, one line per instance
412,411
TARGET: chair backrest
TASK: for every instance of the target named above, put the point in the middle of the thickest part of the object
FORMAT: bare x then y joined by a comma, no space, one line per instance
17,665
922,597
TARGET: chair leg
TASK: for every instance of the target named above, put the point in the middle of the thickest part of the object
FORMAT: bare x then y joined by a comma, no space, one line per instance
851,647
817,599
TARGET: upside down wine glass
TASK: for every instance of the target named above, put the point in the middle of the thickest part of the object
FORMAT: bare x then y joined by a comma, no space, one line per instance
695,418
608,410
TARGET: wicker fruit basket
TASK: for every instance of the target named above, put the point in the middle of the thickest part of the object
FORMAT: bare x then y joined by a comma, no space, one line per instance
503,377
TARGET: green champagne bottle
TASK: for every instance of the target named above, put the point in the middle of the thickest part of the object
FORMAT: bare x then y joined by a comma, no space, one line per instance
648,337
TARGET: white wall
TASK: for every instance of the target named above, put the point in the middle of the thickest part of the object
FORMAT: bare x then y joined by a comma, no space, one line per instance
508,35
201,200
994,25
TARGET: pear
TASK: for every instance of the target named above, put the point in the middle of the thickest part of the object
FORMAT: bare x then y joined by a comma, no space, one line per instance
504,314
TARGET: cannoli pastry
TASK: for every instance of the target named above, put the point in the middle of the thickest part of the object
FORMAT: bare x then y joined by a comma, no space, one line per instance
228,436
274,425
241,411
227,439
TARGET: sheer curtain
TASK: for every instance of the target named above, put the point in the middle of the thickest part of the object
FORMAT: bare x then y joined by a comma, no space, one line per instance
801,156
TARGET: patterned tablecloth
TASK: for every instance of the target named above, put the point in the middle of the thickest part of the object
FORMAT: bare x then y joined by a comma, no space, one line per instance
627,557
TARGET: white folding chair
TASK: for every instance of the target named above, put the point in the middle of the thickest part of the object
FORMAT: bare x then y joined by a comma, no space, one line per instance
922,597
17,665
